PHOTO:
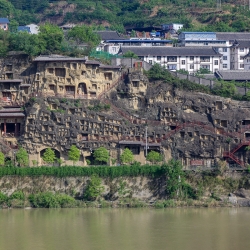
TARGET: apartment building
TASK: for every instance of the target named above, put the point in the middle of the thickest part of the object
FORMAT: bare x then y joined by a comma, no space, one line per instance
238,51
232,45
190,59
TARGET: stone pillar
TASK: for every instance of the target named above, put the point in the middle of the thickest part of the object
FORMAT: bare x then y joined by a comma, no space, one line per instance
15,127
5,126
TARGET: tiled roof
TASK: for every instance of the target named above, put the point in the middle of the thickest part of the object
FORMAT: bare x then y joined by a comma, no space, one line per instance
108,35
10,110
240,75
170,51
4,20
241,44
12,115
232,35
11,80
46,58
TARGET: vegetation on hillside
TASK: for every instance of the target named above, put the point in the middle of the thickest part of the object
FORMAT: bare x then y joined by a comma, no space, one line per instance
50,39
196,15
221,88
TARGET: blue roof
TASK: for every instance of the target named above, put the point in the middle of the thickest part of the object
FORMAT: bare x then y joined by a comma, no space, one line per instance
197,32
23,28
139,41
4,20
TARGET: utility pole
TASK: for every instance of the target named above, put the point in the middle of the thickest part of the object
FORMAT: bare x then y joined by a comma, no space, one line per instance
146,135
218,4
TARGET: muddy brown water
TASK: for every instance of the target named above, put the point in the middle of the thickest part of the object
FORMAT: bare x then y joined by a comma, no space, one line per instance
125,229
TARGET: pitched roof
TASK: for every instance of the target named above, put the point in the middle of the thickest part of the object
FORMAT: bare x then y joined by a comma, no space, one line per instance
108,35
53,58
4,20
170,51
232,35
241,44
240,75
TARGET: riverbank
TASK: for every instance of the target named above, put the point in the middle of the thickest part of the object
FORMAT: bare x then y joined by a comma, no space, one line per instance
125,186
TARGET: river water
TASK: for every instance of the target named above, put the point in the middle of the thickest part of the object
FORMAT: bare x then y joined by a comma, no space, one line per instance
125,229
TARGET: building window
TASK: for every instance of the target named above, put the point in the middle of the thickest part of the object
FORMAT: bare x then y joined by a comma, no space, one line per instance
216,62
205,66
206,43
224,50
241,49
224,66
150,61
224,58
205,58
172,58
172,66
191,66
158,58
241,65
183,62
191,58
141,58
241,57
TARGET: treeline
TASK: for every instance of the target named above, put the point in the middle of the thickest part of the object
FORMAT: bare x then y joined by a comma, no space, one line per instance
50,39
119,14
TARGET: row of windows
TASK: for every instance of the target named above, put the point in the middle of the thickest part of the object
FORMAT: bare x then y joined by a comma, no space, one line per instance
174,58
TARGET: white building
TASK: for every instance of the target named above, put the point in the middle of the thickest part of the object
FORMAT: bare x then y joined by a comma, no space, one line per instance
239,50
222,42
172,26
246,62
190,59
34,29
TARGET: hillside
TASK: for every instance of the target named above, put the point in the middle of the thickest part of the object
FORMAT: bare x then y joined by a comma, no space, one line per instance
196,15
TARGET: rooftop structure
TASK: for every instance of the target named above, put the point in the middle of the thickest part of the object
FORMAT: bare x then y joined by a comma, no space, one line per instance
4,22
236,75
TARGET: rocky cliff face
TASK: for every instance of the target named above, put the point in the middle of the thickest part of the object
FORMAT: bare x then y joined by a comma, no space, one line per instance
196,128
136,187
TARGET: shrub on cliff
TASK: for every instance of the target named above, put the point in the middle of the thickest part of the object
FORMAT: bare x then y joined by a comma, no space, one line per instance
74,154
101,155
94,188
49,156
22,157
127,156
154,156
2,158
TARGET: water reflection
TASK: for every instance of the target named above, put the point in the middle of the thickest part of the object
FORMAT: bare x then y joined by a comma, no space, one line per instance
125,229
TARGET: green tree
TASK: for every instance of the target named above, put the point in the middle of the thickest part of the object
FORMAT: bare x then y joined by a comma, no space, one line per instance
94,188
130,54
2,158
85,34
101,155
49,156
154,156
224,89
127,156
157,72
23,41
50,38
22,157
74,154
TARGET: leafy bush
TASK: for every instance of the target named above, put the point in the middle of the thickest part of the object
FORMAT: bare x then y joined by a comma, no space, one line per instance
17,195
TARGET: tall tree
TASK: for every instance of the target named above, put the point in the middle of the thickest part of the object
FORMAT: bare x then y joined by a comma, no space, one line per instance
154,156
49,156
22,157
84,34
101,155
74,154
50,38
127,156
